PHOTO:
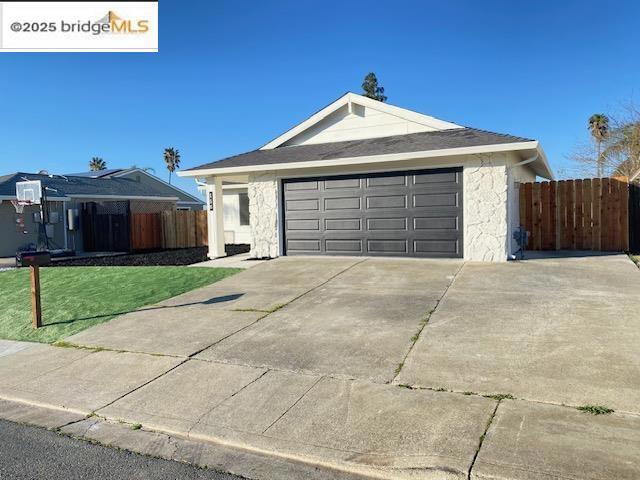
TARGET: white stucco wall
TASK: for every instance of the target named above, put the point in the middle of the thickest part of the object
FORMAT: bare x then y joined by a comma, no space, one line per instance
263,214
489,200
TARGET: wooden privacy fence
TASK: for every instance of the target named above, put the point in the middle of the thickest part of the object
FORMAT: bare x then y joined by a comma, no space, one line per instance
588,214
168,229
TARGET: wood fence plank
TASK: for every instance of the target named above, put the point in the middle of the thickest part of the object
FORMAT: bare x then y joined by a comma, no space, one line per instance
561,214
545,201
553,214
596,199
571,215
528,225
537,220
616,186
605,215
588,214
579,208
624,215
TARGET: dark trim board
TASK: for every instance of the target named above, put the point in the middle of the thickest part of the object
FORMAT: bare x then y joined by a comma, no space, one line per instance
416,213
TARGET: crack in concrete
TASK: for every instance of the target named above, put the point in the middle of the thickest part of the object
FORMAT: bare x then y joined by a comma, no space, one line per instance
224,400
280,307
291,406
143,384
425,321
482,437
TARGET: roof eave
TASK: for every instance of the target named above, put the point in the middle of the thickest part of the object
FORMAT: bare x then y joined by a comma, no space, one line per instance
393,157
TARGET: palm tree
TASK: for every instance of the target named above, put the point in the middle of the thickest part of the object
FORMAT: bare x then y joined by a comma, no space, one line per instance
172,160
96,164
599,128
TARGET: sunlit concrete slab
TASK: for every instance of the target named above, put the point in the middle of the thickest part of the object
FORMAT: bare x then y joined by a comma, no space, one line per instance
574,345
178,400
75,379
529,441
177,330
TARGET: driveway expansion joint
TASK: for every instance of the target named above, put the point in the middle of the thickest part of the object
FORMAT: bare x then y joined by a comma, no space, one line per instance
291,406
482,437
276,308
425,321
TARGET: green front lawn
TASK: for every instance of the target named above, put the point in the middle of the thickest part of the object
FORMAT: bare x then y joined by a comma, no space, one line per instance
75,298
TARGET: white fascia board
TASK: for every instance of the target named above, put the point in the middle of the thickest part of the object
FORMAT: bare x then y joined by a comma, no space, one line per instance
49,199
548,173
123,197
309,122
128,171
393,157
351,98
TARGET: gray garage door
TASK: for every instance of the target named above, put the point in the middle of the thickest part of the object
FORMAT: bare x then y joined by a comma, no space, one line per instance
408,214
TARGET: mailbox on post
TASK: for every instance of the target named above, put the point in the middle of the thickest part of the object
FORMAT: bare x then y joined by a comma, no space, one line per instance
34,260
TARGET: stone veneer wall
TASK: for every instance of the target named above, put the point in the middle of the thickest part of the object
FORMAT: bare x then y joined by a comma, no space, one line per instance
485,208
263,215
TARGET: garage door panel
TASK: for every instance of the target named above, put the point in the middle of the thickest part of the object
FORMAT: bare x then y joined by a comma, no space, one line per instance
398,223
302,185
352,224
435,246
342,183
431,178
435,223
300,245
303,224
398,214
435,200
387,245
343,246
380,182
342,203
297,205
386,201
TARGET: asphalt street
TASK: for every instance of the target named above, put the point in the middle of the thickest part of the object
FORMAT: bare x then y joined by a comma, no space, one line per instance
35,453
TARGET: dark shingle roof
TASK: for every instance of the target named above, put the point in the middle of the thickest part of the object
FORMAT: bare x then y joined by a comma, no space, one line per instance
96,173
81,186
412,142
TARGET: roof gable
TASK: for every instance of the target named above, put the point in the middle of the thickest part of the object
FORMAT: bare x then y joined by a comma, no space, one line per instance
355,117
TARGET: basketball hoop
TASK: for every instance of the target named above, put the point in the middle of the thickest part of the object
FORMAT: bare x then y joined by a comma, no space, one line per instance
19,205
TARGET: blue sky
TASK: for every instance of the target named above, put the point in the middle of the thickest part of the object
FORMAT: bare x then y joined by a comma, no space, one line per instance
232,75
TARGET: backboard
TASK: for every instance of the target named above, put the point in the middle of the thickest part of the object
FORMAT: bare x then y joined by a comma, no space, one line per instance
29,192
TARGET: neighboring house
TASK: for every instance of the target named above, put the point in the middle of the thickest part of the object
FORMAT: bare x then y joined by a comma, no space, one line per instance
185,201
67,195
361,177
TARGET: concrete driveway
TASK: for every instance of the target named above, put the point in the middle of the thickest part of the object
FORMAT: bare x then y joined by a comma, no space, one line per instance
382,367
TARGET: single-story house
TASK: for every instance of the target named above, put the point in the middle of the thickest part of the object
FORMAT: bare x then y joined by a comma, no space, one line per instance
67,195
362,177
185,201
